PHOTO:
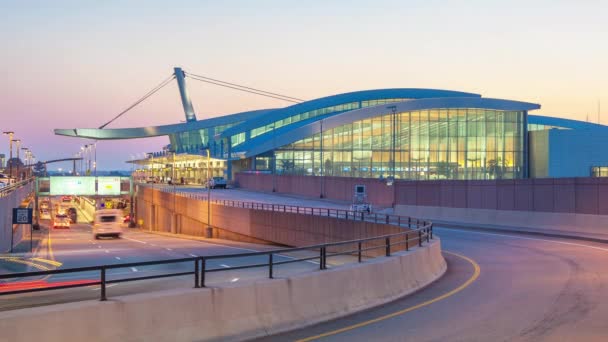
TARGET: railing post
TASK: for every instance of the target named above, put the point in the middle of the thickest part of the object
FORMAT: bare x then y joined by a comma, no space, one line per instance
420,238
388,246
387,219
362,217
203,268
359,251
399,221
409,222
407,242
428,236
322,258
196,271
270,266
103,284
431,231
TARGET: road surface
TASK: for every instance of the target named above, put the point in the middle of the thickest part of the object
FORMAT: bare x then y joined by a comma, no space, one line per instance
498,287
76,247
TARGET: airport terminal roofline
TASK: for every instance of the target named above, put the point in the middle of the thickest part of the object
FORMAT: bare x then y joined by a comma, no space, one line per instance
262,116
289,134
564,123
338,99
154,131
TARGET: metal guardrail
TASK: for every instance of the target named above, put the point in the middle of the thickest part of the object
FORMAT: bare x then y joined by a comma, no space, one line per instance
410,239
5,191
420,231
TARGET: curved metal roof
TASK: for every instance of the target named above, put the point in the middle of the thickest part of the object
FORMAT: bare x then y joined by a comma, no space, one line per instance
334,100
565,123
287,135
153,131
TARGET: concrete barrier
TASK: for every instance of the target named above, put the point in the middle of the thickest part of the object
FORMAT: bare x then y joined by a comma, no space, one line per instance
235,312
7,203
594,227
164,212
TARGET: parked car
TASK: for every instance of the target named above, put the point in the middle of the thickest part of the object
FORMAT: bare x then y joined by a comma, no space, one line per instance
217,182
6,179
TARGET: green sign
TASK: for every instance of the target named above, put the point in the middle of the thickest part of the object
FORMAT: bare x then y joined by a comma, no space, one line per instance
108,186
68,185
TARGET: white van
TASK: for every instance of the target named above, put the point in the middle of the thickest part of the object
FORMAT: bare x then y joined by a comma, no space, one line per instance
107,223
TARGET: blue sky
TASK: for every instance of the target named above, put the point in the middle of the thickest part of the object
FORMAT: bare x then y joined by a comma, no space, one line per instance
69,64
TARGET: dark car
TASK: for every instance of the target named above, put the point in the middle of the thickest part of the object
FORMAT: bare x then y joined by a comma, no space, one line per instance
72,215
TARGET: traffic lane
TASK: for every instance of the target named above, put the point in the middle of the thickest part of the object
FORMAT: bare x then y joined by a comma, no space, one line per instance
528,289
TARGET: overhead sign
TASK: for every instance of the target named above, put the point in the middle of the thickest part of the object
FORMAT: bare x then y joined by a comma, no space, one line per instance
108,186
68,185
83,185
22,215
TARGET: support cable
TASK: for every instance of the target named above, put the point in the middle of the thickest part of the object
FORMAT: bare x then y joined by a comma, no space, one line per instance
142,99
244,88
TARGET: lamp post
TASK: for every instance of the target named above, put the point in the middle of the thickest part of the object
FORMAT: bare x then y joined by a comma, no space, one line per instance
209,229
18,142
10,144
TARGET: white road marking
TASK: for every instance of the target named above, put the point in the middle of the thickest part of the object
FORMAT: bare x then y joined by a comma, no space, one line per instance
99,288
133,269
145,243
193,255
117,258
234,280
107,251
169,249
224,266
527,238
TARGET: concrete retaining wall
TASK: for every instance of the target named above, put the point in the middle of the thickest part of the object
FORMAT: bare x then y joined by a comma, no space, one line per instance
583,195
7,203
231,313
161,211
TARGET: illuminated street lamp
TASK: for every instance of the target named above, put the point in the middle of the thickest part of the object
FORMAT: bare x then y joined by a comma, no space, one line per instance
10,144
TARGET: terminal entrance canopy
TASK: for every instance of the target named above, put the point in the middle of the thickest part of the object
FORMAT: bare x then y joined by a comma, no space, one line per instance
83,186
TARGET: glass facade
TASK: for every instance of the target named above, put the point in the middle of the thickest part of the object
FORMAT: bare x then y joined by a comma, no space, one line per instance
314,113
426,144
195,141
537,127
599,171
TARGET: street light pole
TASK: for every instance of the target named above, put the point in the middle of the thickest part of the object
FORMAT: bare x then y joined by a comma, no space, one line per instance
209,229
18,142
10,144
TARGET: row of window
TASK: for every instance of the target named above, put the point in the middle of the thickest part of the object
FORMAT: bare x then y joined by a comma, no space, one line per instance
486,144
317,112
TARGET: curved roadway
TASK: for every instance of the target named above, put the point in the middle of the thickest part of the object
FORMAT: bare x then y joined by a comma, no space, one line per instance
498,287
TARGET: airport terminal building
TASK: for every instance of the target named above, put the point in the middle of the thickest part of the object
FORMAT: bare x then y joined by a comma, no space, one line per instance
414,134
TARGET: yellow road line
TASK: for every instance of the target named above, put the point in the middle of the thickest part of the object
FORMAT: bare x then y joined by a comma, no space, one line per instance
46,261
464,285
25,262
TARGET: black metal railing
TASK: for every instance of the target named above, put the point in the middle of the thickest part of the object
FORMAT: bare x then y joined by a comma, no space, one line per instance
5,191
408,239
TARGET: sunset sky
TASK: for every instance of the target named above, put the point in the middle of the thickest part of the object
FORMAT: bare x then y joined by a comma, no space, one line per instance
75,64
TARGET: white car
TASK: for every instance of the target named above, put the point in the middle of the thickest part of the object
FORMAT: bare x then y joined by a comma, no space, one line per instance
217,182
108,222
